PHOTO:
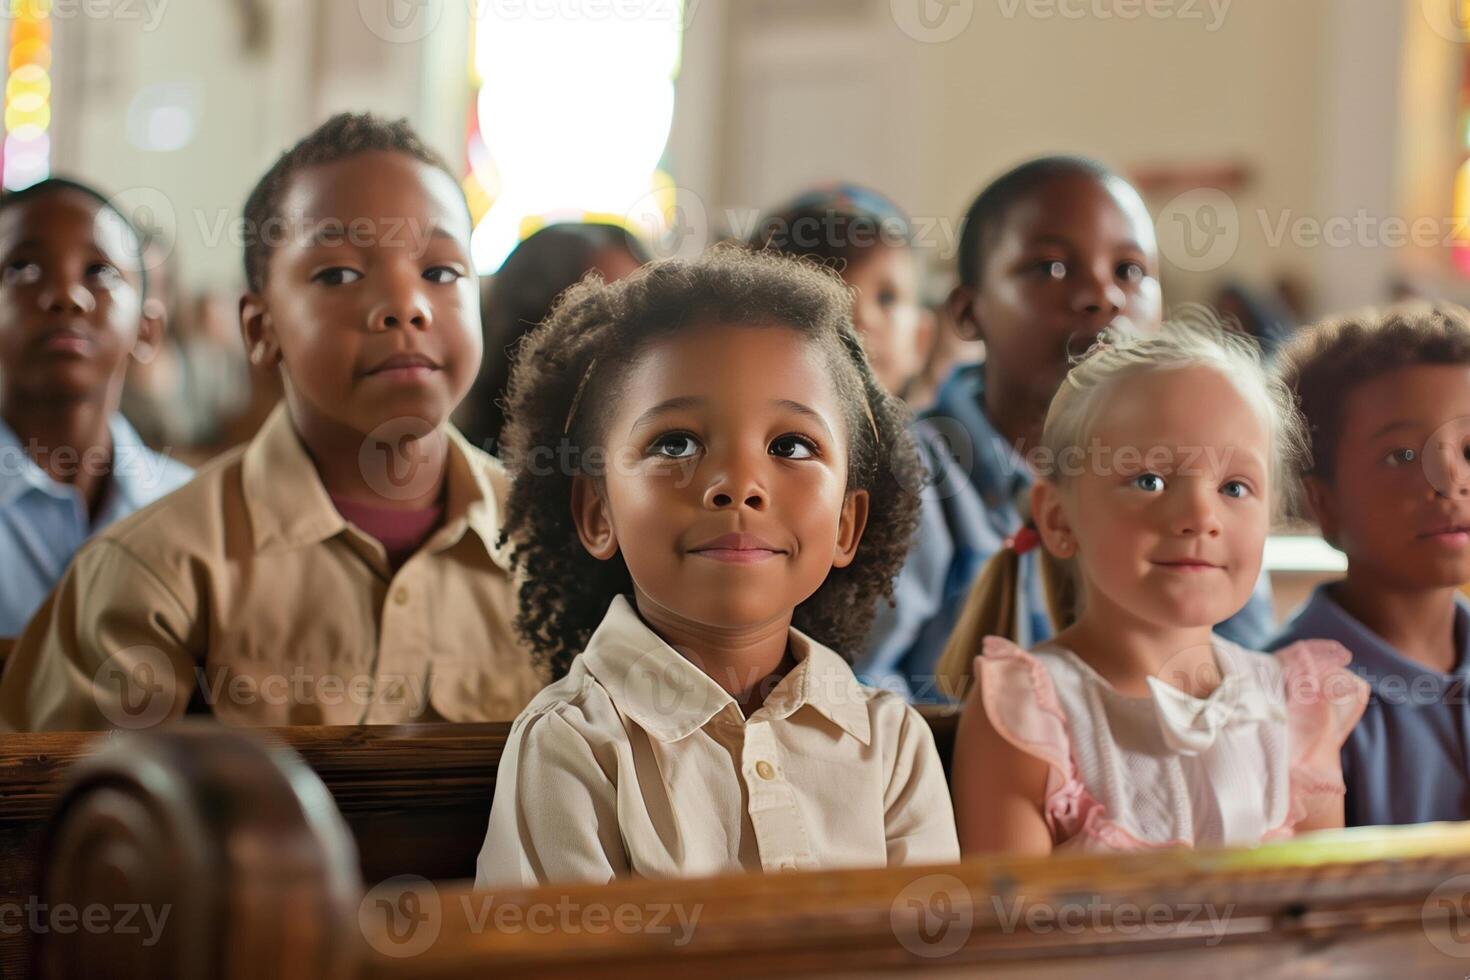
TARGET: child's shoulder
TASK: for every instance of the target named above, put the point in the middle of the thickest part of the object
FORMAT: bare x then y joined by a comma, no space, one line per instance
185,519
577,701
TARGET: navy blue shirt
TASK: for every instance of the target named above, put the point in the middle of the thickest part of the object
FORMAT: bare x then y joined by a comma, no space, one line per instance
1406,760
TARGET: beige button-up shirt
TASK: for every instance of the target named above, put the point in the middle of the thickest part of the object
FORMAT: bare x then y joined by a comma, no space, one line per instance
638,763
247,594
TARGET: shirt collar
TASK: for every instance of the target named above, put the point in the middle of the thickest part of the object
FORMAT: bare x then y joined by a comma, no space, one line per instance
136,477
997,471
671,698
138,474
1322,618
290,508
18,472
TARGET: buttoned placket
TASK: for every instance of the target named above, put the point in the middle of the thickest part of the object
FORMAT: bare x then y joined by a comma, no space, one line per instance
403,644
780,834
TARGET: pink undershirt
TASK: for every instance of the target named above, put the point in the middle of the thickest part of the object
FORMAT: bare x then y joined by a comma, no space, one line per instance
401,532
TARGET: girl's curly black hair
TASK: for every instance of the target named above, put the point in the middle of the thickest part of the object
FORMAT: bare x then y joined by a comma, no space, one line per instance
564,591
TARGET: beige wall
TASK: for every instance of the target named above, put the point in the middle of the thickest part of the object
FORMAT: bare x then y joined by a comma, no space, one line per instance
1334,105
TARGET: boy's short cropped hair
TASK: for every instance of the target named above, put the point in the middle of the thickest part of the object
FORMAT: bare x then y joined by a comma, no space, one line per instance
340,137
1324,363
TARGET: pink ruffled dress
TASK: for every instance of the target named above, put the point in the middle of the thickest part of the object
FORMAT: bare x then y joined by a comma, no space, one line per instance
1126,773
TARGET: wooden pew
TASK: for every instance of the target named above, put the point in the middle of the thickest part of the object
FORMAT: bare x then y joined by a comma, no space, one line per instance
415,797
242,846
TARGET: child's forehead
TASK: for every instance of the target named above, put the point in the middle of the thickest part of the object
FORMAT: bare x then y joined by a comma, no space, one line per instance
1419,395
1196,405
382,186
733,364
69,219
1076,205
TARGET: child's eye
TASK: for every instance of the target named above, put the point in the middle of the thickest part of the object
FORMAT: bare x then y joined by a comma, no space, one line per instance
442,274
793,447
22,271
675,445
1401,457
1235,488
1131,272
1149,482
1052,269
337,276
104,270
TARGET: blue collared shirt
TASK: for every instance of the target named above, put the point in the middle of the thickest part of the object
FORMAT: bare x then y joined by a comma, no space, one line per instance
43,523
967,511
1405,762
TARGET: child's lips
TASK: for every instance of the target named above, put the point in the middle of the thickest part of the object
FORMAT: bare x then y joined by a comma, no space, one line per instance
404,367
737,548
1450,535
67,341
1189,565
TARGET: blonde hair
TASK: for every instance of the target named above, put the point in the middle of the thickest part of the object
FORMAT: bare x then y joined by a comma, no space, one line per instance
1195,339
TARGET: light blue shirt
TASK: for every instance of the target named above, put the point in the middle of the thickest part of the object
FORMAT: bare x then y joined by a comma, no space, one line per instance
43,523
967,511
1406,761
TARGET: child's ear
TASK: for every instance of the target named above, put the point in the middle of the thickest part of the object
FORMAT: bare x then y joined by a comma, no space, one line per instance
850,527
1322,502
961,309
1051,520
594,523
258,332
152,324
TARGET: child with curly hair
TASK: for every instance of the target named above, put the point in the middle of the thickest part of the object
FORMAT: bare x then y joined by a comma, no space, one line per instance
709,493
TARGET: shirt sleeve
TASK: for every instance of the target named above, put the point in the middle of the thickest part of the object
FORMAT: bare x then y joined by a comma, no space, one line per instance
109,648
918,815
555,814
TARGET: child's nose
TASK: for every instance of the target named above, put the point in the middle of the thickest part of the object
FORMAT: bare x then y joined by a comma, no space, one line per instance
65,295
736,486
401,311
1196,515
1098,292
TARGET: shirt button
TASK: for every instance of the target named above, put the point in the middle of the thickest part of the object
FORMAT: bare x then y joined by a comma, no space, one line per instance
765,770
401,596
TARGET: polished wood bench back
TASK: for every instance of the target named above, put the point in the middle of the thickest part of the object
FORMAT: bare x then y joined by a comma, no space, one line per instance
240,840
416,797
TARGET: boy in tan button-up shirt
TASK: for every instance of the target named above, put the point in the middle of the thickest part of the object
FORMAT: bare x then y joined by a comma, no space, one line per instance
246,592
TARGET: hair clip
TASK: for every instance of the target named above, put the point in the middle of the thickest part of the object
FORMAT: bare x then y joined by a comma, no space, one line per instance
1023,540
566,428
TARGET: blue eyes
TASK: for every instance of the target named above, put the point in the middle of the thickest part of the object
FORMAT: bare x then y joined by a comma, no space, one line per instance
682,445
1149,482
1153,483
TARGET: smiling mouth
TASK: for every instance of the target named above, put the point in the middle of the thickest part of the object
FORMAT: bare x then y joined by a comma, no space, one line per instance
403,366
739,549
1188,565
1448,534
